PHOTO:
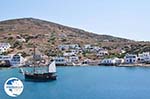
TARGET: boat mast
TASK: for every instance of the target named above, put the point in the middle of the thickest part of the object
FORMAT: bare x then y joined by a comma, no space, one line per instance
34,58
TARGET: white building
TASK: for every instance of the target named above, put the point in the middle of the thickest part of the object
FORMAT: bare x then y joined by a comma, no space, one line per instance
87,46
14,60
69,53
112,61
75,51
73,46
4,47
4,57
130,58
73,59
60,61
70,46
144,57
96,49
17,60
119,60
1,50
108,61
102,53
86,62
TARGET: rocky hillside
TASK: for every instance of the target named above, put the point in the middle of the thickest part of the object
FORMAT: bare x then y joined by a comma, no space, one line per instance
48,35
33,26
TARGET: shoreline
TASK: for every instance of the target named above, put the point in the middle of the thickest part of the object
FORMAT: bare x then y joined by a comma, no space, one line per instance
134,65
120,65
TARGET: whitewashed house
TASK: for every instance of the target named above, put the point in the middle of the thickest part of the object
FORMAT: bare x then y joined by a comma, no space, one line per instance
119,60
1,50
5,57
108,61
112,61
73,46
144,57
14,60
69,53
96,49
17,60
87,46
75,51
90,48
74,58
86,62
130,58
102,52
60,61
4,47
70,46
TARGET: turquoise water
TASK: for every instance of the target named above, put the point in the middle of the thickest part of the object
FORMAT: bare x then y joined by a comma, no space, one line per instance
86,83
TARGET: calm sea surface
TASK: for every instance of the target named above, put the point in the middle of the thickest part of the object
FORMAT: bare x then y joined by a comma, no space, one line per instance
93,82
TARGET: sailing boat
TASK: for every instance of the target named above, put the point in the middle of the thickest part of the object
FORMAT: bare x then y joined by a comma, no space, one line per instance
42,76
47,76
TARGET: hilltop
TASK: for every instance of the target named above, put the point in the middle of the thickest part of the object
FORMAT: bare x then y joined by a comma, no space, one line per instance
33,26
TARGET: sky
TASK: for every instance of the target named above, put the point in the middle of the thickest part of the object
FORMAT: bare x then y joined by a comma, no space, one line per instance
122,18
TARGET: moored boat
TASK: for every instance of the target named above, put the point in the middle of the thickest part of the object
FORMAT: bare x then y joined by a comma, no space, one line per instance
48,75
43,76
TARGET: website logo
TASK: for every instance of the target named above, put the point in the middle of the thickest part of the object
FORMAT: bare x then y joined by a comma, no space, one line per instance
13,87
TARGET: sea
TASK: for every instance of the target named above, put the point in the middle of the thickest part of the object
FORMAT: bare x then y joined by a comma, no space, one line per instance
85,82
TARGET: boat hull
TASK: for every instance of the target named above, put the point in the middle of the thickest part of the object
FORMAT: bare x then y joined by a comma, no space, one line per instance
40,77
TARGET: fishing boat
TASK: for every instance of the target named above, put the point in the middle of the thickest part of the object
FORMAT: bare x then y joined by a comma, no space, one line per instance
35,75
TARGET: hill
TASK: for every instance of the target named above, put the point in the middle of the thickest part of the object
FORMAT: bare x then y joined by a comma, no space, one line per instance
36,26
48,35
